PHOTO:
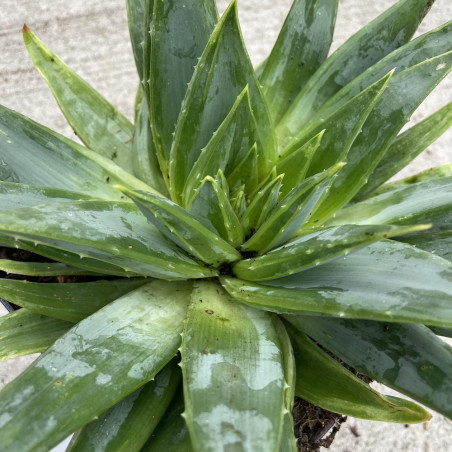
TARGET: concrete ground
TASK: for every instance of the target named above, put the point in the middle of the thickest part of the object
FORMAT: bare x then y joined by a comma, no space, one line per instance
92,37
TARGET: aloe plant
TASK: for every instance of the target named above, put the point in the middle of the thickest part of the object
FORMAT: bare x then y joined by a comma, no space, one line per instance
238,236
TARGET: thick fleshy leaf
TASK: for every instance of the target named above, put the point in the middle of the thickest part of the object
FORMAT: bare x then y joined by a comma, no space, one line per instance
407,146
212,208
227,147
262,204
59,252
98,124
439,331
301,47
322,381
231,361
97,363
288,216
387,281
41,268
72,301
145,162
438,243
171,434
315,248
138,19
33,154
246,173
388,116
128,424
16,195
222,73
428,175
295,163
408,358
23,332
103,231
387,32
427,201
425,47
342,127
179,226
179,34
238,202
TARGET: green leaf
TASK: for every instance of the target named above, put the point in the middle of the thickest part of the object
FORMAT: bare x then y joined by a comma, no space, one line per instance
41,268
97,363
429,174
171,434
23,332
145,161
246,173
212,208
179,34
137,19
261,205
227,147
238,202
439,331
74,258
438,243
427,46
179,226
390,113
313,249
231,361
16,195
288,216
114,233
98,124
386,281
301,47
322,381
71,301
342,127
407,146
295,163
384,34
429,200
128,424
408,358
222,73
33,154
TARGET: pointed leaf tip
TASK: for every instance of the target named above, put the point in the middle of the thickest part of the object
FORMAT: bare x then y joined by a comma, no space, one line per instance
25,29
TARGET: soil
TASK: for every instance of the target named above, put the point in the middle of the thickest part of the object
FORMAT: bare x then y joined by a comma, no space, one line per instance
314,427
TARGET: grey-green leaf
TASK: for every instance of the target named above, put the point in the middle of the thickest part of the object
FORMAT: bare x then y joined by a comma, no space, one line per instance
98,362
98,124
212,208
33,154
406,147
179,34
301,47
384,34
331,386
115,233
387,281
408,358
231,361
127,425
222,73
23,332
71,301
429,200
179,226
313,249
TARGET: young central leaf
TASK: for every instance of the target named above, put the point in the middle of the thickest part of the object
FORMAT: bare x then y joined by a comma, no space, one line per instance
222,73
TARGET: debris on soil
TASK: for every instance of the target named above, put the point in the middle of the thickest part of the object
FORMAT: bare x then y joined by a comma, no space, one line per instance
314,427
